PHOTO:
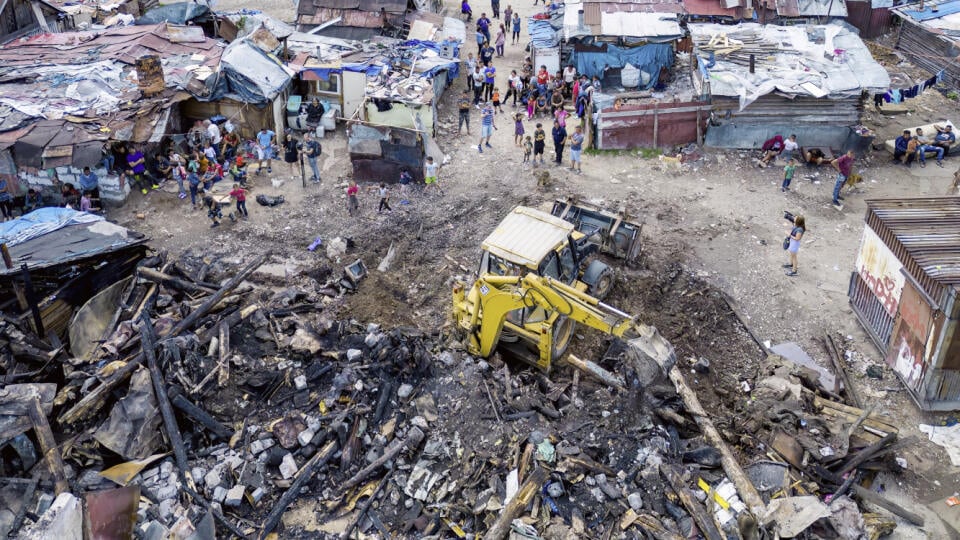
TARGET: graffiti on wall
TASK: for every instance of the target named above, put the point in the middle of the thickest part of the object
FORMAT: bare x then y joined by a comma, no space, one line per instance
880,269
908,363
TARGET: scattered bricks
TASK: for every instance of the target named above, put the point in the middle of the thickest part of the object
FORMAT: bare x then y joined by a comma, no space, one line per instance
219,494
165,509
150,473
313,423
234,495
372,328
446,358
300,382
420,422
257,495
354,355
256,447
305,437
213,478
371,340
636,501
404,391
166,468
233,460
43,503
288,467
167,491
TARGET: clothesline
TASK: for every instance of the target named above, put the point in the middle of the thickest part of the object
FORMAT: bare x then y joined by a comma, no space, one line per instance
897,95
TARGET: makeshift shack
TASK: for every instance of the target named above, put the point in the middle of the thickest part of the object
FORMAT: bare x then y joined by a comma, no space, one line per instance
55,259
24,18
780,80
904,292
929,37
379,153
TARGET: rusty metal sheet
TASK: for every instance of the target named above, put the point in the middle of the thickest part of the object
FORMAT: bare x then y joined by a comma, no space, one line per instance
633,126
111,513
872,22
592,10
709,8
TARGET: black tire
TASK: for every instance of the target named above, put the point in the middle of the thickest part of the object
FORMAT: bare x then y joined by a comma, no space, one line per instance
563,330
603,286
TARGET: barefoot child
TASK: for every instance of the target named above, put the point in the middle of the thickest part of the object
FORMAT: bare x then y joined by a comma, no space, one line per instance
518,129
527,148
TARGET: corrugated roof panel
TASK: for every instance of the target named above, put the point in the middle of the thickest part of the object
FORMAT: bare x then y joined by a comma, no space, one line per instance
526,235
639,25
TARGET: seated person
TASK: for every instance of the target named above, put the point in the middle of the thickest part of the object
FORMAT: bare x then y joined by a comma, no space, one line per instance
137,172
541,104
771,149
556,102
89,182
238,169
32,201
924,145
314,113
815,156
161,166
69,196
230,142
901,151
912,146
88,203
944,138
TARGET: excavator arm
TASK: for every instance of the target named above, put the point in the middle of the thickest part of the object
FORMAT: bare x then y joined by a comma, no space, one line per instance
482,313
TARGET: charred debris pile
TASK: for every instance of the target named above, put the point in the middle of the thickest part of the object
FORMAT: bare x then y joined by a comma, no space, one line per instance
204,399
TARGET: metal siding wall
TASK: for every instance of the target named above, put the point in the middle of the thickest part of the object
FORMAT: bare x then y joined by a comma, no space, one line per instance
676,125
871,312
930,50
871,22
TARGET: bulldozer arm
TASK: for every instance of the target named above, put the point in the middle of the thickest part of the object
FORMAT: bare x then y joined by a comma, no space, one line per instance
650,355
615,235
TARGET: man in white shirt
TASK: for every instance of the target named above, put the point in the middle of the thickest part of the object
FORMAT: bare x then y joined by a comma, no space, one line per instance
569,75
213,132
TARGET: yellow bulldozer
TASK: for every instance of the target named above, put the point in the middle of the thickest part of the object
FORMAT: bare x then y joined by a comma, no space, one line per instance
540,275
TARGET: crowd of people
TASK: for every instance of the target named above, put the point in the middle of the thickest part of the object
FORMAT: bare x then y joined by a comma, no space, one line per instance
915,146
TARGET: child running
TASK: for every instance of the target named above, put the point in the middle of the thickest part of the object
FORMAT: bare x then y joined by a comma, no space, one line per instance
518,129
240,195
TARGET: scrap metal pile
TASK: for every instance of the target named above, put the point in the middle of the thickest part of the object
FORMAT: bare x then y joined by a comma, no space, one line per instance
219,400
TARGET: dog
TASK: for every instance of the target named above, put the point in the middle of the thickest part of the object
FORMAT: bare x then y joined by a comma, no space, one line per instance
676,162
955,187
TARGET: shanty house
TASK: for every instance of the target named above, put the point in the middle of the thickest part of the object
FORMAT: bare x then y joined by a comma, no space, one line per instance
770,80
350,19
930,37
904,290
23,18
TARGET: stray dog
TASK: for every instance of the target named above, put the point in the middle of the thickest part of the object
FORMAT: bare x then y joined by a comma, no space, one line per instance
676,162
955,187
852,181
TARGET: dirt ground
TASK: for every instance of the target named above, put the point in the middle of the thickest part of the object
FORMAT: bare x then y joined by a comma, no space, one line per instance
712,232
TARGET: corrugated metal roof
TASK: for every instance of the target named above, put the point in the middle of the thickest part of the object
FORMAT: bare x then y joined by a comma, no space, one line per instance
592,10
640,25
526,235
925,230
708,8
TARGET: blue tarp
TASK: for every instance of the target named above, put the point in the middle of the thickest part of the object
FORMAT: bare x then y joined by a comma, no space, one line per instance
650,58
542,34
926,14
452,66
40,222
179,13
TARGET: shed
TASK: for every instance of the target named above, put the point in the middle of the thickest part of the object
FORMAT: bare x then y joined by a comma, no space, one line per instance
929,37
904,292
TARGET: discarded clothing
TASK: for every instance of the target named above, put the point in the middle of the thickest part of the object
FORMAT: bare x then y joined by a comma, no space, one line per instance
267,200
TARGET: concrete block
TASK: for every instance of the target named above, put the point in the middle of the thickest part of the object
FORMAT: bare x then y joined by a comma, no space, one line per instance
404,391
300,382
354,355
197,474
213,478
288,467
68,178
219,494
63,521
166,508
63,170
305,437
257,495
234,495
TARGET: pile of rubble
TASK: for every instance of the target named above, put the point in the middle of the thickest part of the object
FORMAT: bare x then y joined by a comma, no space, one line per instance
222,401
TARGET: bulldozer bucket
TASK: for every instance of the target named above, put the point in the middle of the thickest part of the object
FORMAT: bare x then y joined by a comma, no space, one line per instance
650,355
616,236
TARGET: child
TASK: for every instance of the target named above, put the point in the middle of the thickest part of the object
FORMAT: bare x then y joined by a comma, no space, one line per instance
527,148
518,128
539,142
384,198
86,205
179,173
496,100
240,195
33,201
213,208
531,105
430,175
405,179
238,169
788,174
353,205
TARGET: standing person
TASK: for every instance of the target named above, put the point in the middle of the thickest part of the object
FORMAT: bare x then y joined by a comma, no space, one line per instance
539,142
561,116
405,179
559,139
483,24
353,205
516,29
844,166
796,233
240,195
486,54
178,172
531,104
788,171
478,80
213,134
513,87
291,153
193,181
230,142
463,105
500,40
508,14
487,126
495,7
496,100
384,194
518,128
527,148
312,150
465,10
481,39
89,182
471,63
569,76
791,148
431,175
265,149
6,200
576,147
489,77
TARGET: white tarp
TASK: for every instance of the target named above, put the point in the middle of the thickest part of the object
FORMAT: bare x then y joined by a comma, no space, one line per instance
800,65
648,25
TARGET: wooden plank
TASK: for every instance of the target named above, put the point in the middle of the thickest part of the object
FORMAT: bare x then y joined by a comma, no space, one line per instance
697,511
869,496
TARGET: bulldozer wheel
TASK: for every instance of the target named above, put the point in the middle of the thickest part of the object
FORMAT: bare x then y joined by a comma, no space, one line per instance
562,335
603,285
